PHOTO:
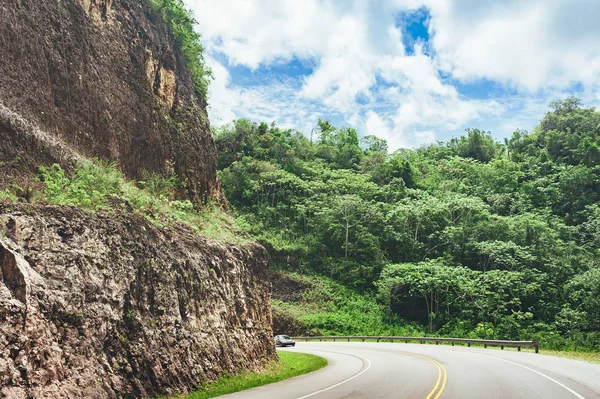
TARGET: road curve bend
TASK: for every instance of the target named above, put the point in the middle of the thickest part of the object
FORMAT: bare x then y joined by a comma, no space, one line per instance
394,370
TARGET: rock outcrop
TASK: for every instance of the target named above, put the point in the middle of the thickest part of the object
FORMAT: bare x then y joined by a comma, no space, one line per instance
104,78
105,306
108,305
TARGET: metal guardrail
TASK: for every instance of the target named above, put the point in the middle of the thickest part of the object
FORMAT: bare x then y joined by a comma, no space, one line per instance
485,342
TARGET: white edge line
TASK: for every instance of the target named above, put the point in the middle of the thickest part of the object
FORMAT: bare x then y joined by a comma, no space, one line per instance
347,379
537,372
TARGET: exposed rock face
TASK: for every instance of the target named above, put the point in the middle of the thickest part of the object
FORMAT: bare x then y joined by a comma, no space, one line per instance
101,306
103,78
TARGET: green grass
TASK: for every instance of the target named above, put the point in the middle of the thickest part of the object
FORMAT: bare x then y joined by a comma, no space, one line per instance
590,357
585,356
290,364
7,196
329,308
97,185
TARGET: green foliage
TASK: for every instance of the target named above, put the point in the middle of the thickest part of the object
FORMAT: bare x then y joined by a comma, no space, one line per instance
160,187
436,292
477,145
582,310
90,186
99,186
329,308
471,237
290,364
181,25
7,196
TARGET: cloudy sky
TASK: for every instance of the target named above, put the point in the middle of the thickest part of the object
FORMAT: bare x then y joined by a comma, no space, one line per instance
408,71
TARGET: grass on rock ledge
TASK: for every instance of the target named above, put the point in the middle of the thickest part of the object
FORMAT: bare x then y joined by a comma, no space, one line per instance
97,186
326,307
290,364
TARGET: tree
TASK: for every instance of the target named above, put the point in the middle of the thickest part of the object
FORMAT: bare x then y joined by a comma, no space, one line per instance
478,145
439,287
374,144
483,239
502,255
583,294
351,211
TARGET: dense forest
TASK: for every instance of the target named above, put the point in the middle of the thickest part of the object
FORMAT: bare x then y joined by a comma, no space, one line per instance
466,237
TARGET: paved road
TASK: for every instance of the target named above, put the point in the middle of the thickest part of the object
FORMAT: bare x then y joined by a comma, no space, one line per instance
394,370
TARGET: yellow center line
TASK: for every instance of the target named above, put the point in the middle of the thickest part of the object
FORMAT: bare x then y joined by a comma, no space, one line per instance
444,382
442,373
439,377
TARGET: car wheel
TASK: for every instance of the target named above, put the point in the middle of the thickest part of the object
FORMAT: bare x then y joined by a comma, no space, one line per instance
293,344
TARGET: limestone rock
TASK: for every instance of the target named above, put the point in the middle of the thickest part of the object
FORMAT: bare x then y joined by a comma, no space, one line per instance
106,79
105,306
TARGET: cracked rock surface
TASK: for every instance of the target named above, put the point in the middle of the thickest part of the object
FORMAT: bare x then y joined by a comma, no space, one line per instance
108,306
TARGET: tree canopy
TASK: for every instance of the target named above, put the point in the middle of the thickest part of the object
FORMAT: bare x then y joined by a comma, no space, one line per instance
468,236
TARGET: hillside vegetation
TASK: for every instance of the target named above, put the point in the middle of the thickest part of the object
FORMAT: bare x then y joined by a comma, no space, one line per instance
470,237
97,185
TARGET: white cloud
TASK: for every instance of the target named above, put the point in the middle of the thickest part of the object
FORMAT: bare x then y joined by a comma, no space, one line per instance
259,32
376,126
223,99
396,136
270,101
364,76
533,45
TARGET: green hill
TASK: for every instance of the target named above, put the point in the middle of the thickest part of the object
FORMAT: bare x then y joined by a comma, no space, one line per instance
470,237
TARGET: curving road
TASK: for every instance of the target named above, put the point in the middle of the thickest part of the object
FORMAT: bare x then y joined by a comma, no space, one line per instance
394,370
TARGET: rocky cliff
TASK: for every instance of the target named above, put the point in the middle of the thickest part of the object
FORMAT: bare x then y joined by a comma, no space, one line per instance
99,306
107,304
104,78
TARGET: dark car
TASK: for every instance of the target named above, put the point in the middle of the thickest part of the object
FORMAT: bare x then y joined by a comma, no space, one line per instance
284,340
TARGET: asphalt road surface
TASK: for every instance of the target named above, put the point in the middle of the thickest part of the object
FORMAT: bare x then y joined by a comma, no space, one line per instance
394,370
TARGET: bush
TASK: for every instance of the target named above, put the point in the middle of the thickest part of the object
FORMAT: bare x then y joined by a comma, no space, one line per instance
7,196
90,186
181,25
93,184
332,309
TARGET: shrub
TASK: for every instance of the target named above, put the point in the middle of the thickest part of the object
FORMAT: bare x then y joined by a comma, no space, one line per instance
90,186
181,25
7,196
93,184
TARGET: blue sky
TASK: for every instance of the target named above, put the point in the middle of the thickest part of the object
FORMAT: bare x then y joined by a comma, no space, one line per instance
408,71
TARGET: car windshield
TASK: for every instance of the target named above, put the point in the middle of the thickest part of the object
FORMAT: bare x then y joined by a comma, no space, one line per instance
285,337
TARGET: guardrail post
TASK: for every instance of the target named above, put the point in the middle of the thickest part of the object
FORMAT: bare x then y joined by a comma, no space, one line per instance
377,339
363,340
536,343
468,344
437,343
518,349
452,343
501,347
484,346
